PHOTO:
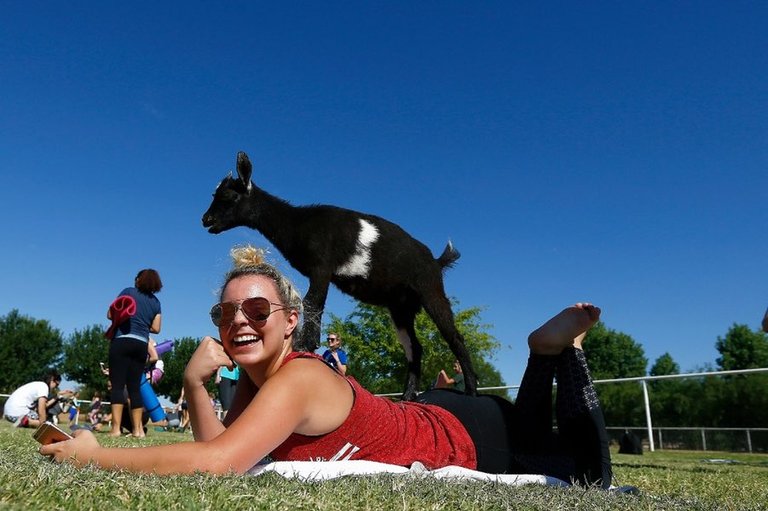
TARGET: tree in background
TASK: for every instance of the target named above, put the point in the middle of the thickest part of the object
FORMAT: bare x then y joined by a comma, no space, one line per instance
742,400
377,360
671,400
613,354
742,348
83,351
28,347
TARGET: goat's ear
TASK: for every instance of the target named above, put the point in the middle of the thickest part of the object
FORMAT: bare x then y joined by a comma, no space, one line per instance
244,169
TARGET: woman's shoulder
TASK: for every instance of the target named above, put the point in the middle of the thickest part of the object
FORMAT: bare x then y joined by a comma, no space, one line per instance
307,369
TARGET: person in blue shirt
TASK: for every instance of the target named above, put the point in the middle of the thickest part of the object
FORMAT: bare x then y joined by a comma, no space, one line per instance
226,380
129,348
334,355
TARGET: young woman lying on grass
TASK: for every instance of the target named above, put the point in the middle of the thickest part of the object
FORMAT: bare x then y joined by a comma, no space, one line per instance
305,410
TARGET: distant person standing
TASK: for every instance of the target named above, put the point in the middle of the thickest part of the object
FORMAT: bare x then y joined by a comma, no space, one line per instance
128,349
27,406
334,355
226,379
457,382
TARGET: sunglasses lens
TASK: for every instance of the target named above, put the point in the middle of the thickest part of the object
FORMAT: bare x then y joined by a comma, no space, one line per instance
216,314
257,309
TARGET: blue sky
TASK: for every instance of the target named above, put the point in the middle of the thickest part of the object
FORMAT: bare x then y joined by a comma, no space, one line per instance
599,151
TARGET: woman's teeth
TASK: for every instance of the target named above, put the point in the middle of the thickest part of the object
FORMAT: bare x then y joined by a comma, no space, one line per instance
246,339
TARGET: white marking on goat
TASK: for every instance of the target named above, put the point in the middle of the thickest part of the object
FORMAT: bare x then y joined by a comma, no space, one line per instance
359,263
407,343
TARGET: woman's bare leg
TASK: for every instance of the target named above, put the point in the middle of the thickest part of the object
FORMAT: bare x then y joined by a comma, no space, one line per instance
579,452
117,418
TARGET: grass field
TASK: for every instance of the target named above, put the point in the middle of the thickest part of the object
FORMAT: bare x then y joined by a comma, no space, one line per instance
668,480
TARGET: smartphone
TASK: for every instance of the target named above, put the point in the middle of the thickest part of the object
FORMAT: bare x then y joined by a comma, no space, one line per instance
49,433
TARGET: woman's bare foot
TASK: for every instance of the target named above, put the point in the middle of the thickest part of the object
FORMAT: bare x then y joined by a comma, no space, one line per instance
568,328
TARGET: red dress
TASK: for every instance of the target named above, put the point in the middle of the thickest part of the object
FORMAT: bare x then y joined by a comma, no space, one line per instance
378,429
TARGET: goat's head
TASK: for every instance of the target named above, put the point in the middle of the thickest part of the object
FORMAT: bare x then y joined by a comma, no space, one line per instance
230,198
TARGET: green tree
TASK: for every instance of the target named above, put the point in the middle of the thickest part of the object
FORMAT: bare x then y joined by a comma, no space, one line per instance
742,348
377,359
83,351
664,365
741,400
671,400
28,347
613,354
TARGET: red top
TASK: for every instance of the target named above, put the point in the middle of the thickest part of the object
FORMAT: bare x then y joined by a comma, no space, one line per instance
378,429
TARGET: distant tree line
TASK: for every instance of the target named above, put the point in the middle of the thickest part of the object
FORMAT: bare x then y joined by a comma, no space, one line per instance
29,346
711,401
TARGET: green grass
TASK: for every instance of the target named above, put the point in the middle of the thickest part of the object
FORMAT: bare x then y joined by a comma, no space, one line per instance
668,480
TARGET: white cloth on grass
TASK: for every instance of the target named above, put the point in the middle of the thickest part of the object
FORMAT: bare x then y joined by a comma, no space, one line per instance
323,470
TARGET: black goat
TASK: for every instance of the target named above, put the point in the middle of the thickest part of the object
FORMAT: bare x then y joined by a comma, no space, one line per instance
365,256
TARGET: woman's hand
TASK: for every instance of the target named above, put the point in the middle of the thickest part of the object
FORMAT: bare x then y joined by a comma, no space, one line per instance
205,361
78,451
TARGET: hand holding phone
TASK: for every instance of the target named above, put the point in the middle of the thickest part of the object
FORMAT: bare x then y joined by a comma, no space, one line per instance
49,433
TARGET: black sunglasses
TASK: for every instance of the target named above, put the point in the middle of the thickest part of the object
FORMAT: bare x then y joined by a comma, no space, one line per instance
255,309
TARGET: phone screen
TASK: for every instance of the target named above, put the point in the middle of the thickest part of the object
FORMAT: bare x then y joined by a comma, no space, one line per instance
48,433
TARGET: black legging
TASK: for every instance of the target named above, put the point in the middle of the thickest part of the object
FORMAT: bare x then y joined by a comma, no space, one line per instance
127,357
518,438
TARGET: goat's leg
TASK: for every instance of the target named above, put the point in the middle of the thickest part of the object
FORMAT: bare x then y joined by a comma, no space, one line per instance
406,334
314,303
438,308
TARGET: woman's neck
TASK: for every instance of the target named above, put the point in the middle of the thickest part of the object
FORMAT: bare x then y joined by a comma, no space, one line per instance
262,372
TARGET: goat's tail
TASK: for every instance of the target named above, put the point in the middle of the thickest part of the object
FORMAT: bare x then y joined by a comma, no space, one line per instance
449,256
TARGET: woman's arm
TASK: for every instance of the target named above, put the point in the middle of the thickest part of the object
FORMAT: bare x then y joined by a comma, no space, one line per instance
156,323
152,352
205,361
298,398
341,367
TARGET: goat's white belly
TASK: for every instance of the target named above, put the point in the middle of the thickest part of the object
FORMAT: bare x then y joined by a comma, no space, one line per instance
359,263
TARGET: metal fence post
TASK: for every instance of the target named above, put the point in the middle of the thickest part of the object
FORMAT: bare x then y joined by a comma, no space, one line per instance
648,415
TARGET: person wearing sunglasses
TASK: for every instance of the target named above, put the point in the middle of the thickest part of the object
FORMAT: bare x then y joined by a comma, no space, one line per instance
334,355
292,406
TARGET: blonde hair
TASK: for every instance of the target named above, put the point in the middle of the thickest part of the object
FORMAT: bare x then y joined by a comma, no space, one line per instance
249,260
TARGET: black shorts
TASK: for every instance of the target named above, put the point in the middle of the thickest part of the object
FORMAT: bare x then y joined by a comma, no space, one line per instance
489,421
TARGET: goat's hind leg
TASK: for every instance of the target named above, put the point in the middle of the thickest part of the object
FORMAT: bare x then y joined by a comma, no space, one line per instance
406,334
314,304
438,308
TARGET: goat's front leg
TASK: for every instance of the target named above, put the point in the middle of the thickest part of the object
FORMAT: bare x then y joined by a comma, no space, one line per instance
314,304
